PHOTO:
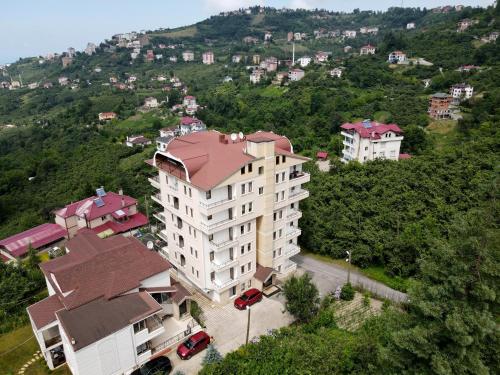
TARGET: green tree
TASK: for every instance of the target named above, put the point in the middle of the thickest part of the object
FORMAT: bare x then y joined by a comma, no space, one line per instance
347,292
302,297
33,259
212,356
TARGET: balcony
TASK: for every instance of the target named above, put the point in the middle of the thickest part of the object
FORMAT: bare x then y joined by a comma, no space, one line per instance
224,284
210,227
347,135
163,236
52,341
217,246
297,178
208,205
155,181
293,232
221,265
157,198
348,144
160,216
174,187
298,194
291,249
293,215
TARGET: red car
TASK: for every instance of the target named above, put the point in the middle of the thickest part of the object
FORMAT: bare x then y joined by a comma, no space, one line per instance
248,298
193,345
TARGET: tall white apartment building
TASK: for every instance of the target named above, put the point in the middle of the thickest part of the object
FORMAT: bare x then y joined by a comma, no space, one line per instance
208,58
230,207
370,140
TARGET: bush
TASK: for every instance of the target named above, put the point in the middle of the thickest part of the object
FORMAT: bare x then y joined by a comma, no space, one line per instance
197,313
347,293
302,297
212,356
366,299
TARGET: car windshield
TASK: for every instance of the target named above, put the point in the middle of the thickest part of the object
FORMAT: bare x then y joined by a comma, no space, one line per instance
189,344
244,297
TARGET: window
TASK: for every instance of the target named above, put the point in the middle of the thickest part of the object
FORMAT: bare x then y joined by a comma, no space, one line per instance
191,249
210,237
209,217
103,218
261,190
142,348
242,170
249,266
277,177
191,210
274,254
139,326
281,214
232,291
249,227
242,249
366,148
196,254
208,194
279,252
250,187
280,233
277,160
242,229
250,207
242,287
250,167
275,216
249,283
190,193
212,256
243,210
197,274
249,246
277,196
187,210
192,270
283,195
283,158
185,190
283,176
274,235
212,276
261,170
243,189
194,233
279,268
242,270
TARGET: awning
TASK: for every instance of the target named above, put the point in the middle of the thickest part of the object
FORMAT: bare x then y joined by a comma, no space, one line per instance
263,273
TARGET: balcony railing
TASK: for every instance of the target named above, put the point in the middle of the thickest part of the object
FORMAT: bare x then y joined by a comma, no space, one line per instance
293,232
223,244
294,214
155,181
157,198
52,341
163,236
219,285
298,193
208,205
160,216
217,266
212,226
153,323
291,250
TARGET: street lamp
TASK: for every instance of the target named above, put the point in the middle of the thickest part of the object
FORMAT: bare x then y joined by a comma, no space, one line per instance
248,323
349,267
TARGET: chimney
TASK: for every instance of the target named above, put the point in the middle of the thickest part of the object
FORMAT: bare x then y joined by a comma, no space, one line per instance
120,191
123,202
221,138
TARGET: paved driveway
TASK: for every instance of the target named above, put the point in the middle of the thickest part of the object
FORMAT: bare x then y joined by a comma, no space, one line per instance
327,276
228,325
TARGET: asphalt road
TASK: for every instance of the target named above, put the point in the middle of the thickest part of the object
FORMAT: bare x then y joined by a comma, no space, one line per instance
328,276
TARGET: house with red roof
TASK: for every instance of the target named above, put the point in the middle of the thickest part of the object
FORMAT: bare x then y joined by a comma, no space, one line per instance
191,125
369,140
112,306
107,116
137,140
39,238
230,206
367,50
106,214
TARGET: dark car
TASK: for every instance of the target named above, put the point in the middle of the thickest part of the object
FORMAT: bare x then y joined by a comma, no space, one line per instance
193,345
248,298
159,365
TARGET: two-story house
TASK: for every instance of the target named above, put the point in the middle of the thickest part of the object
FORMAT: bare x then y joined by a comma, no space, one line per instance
370,140
230,207
111,307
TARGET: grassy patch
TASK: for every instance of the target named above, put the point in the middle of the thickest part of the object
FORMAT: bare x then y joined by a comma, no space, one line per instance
443,132
273,92
181,33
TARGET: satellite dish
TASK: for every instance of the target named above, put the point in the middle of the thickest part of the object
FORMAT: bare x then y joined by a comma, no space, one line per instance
150,245
241,135
234,137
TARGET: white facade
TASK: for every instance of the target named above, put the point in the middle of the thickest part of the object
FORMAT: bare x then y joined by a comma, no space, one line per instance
217,237
304,61
188,56
397,57
410,25
151,102
296,74
208,58
462,91
336,72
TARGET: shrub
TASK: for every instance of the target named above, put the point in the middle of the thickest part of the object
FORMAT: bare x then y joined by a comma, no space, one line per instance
302,297
347,293
212,356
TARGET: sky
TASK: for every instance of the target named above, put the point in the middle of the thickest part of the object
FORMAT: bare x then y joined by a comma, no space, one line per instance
36,27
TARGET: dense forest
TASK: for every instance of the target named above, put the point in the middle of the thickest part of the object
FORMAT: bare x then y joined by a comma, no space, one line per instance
432,218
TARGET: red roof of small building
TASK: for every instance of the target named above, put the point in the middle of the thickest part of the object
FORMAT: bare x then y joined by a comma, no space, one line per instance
186,120
368,46
189,97
87,207
371,129
44,312
322,154
17,245
134,221
404,156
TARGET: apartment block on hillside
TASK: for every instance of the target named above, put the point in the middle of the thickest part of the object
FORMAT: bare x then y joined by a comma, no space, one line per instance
439,106
230,209
370,140
111,307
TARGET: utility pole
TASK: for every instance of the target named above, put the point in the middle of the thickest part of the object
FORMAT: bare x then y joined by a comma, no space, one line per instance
349,267
248,324
293,53
147,211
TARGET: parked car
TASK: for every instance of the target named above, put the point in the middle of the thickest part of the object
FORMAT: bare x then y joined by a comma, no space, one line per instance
157,366
195,344
248,298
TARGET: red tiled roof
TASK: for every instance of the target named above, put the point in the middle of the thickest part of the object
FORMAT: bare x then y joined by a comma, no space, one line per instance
263,273
17,245
112,203
186,120
134,221
374,131
100,268
322,154
44,312
209,161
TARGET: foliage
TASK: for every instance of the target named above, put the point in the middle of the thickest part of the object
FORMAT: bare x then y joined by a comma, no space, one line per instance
347,292
212,355
197,313
302,297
